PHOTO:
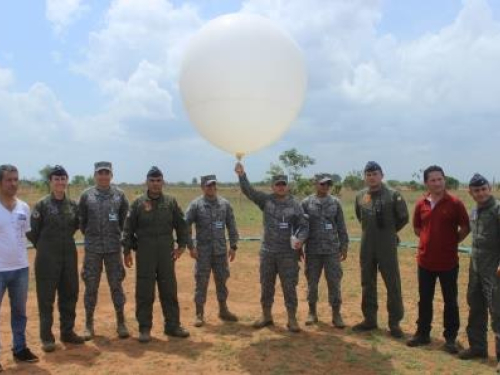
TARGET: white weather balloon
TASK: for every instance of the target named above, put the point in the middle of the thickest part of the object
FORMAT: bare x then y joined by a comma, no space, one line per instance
243,82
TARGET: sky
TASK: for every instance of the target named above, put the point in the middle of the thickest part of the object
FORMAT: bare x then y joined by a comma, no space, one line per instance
406,83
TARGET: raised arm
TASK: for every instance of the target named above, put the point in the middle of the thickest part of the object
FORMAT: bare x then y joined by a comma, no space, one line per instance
258,197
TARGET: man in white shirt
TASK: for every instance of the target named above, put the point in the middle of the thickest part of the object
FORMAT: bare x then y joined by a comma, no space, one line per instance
14,275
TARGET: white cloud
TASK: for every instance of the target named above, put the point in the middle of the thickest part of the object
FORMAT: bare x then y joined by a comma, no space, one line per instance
62,13
6,78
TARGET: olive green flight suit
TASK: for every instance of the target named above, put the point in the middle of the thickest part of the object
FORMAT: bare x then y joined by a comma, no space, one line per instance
382,215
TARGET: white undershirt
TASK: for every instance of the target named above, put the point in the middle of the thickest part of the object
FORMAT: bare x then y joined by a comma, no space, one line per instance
13,227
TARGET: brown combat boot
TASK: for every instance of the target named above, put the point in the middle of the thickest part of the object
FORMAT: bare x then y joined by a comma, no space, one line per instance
265,320
292,325
312,317
121,327
225,314
337,320
199,319
88,332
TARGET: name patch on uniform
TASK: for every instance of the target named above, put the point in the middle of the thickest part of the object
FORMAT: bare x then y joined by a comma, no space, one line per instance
113,217
328,226
218,224
283,225
21,217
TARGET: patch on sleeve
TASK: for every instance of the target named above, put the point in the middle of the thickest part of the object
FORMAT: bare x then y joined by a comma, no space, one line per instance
36,214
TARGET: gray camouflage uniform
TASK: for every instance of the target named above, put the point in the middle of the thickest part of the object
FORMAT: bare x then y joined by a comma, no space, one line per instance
327,240
211,218
277,257
483,293
102,216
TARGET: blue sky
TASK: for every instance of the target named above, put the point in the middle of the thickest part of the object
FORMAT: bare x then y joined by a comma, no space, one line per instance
408,83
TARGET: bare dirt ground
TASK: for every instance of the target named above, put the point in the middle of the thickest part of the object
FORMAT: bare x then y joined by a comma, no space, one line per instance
236,348
222,348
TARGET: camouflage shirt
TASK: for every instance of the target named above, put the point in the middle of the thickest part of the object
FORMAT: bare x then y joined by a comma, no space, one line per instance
327,229
151,222
281,218
212,217
102,216
485,227
53,222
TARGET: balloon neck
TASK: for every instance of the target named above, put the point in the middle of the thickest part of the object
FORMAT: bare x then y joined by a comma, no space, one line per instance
239,155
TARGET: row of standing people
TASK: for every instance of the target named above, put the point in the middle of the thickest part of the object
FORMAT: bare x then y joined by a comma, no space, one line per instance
102,215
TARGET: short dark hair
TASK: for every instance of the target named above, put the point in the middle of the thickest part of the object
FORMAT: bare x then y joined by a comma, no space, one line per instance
432,168
6,168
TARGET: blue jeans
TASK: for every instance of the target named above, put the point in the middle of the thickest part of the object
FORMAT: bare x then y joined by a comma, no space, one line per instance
16,282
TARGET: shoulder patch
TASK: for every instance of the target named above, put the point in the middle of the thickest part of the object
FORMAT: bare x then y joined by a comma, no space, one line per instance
35,214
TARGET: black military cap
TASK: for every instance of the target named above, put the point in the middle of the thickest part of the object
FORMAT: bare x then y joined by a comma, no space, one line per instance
208,179
280,178
372,166
103,165
58,170
478,180
155,172
323,178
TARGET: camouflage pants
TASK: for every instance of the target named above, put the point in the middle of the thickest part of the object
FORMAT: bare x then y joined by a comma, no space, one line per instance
206,264
483,296
91,276
286,265
315,263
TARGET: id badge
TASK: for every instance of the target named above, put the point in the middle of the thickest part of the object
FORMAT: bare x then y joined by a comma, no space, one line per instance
473,214
113,217
283,225
328,226
219,225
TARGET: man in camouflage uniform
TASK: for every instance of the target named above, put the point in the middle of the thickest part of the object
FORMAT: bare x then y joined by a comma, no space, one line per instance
283,217
103,209
54,221
325,248
483,293
149,231
382,213
211,214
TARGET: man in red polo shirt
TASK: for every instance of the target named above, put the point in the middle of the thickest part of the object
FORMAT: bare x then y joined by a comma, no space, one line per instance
441,222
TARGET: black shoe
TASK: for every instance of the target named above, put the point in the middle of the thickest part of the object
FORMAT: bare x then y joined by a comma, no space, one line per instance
177,332
25,355
418,340
48,346
72,338
450,346
472,353
396,332
364,326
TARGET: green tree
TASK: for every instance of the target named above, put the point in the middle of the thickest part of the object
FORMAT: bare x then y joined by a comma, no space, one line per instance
90,180
452,183
293,162
354,180
79,180
194,181
44,177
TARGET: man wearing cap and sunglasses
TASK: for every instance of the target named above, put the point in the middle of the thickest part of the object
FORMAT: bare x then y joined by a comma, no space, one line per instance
483,293
103,209
54,221
149,228
325,248
283,217
211,214
382,213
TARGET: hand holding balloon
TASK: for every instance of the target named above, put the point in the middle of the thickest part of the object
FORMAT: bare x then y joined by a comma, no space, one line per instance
239,169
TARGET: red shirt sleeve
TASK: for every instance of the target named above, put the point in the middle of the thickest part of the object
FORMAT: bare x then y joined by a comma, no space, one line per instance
417,222
463,216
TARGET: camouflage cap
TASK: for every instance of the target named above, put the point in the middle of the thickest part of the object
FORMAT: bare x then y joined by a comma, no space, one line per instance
58,170
103,165
279,178
208,179
323,177
372,166
154,171
478,180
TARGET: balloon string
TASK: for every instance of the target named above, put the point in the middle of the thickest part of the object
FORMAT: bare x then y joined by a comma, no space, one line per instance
239,155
